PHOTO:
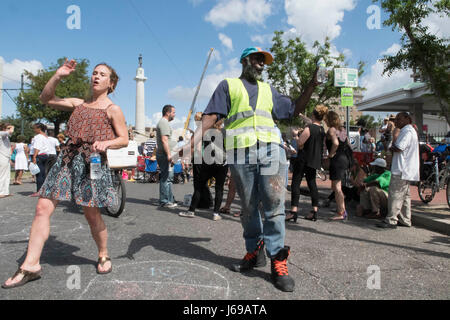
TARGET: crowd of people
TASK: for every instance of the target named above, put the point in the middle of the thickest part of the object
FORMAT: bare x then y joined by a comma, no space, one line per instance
41,151
236,137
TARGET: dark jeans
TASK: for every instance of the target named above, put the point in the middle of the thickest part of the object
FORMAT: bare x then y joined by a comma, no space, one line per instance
41,162
50,162
202,173
299,169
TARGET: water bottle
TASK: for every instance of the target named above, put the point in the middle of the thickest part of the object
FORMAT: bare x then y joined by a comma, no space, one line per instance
96,165
322,76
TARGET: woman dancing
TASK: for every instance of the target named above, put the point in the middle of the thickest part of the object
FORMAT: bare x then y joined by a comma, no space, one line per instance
95,125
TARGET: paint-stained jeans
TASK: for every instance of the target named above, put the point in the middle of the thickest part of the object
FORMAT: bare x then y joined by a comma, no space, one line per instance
262,183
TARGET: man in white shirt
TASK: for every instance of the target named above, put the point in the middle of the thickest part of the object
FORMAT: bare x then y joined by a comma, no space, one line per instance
404,169
41,152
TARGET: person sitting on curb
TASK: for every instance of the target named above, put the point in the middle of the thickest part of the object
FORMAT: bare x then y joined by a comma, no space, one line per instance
374,191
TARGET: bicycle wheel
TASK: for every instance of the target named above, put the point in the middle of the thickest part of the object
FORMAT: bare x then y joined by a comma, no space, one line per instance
427,189
116,210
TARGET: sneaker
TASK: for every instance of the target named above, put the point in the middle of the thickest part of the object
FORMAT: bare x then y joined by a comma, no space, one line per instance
187,214
171,205
217,217
279,270
251,260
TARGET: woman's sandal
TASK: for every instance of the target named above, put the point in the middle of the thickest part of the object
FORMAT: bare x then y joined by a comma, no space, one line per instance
237,214
101,261
27,277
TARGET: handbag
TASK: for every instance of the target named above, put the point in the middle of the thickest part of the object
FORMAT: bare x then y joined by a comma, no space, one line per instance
123,158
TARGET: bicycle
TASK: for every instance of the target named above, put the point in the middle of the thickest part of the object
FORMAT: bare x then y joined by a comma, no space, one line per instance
119,186
437,180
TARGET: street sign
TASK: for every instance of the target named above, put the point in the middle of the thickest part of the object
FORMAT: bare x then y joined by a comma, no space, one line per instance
346,77
347,97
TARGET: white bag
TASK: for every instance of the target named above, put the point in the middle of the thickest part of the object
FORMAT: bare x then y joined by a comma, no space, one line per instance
187,200
34,169
124,157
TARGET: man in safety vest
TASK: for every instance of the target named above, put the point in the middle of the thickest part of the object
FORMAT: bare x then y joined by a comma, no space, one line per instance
256,159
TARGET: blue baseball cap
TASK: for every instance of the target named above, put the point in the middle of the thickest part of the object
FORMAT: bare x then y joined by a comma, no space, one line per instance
249,51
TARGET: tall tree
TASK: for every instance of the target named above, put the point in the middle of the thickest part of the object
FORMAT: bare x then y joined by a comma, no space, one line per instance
76,85
295,65
421,50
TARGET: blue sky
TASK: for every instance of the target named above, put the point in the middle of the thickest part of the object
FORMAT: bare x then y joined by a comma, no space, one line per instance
174,37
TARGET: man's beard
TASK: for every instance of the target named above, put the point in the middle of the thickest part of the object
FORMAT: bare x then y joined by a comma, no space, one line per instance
250,73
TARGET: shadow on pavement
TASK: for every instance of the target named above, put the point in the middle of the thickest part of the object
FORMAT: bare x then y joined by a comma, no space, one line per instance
417,250
185,247
56,253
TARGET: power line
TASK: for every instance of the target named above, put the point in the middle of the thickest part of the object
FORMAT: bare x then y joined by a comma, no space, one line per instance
11,98
157,40
9,78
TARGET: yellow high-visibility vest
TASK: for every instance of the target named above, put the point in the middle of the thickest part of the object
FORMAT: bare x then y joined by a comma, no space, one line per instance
244,127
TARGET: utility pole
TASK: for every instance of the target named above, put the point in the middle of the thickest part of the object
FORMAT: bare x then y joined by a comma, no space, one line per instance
21,90
191,110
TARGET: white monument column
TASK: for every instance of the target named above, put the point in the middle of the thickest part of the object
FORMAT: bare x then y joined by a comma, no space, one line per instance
1,87
140,98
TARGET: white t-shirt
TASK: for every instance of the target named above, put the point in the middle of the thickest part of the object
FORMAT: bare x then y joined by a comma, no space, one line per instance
41,143
406,163
53,143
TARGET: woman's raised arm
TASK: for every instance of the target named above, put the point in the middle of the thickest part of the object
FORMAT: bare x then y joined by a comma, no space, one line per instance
48,94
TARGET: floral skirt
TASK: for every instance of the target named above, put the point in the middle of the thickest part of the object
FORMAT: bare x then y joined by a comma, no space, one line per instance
69,180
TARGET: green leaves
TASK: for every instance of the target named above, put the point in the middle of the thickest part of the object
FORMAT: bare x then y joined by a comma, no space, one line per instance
295,65
75,86
421,50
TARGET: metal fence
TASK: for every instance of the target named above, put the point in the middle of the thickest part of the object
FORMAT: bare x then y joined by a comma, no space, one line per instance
433,139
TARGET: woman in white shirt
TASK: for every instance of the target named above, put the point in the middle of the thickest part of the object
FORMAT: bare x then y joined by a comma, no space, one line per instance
21,162
6,131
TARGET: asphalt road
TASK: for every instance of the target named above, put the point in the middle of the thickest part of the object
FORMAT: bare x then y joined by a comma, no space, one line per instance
158,255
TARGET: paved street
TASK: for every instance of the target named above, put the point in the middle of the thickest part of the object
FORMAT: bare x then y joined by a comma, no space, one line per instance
158,255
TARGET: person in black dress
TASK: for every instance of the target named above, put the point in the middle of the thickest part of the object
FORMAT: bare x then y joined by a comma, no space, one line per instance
308,160
338,148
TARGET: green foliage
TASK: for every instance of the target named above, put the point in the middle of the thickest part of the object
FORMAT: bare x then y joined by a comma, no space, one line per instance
421,50
368,122
74,86
293,69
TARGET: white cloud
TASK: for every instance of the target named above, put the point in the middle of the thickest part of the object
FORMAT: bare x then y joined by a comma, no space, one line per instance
437,25
315,20
12,70
251,12
262,38
393,50
209,84
377,84
227,42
